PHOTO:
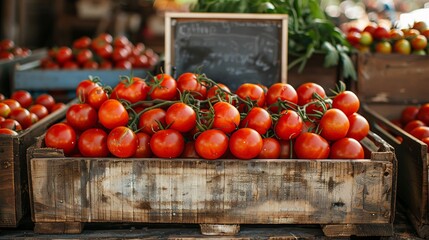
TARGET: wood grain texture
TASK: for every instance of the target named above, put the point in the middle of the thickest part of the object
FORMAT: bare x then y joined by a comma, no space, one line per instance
196,191
413,163
14,192
392,78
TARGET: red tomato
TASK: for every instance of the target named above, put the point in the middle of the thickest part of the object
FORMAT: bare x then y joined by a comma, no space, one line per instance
61,136
423,113
311,146
104,50
132,89
57,106
226,117
84,87
271,149
150,120
90,65
168,143
245,143
2,119
93,143
64,54
413,124
70,65
4,110
120,54
381,33
105,64
122,142
2,97
40,110
408,114
190,82
46,100
359,127
143,147
23,97
420,132
112,114
140,61
289,125
334,124
6,55
257,118
11,124
211,144
346,148
347,102
253,92
83,56
12,103
105,37
81,116
6,44
82,42
286,150
306,90
283,91
123,64
121,41
21,115
220,90
181,117
163,87
189,151
96,97
7,131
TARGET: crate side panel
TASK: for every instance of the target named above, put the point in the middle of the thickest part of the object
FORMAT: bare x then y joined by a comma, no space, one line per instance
382,77
224,191
7,183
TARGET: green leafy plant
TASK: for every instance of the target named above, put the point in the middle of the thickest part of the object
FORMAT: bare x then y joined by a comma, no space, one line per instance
309,30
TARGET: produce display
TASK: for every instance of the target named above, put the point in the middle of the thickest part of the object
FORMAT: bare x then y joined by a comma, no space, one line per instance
9,51
376,38
415,120
195,117
21,111
101,52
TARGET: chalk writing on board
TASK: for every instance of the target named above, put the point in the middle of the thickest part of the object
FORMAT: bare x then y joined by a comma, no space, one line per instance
231,52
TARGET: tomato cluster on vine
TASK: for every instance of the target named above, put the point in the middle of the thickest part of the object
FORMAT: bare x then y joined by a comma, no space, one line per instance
21,111
195,117
101,52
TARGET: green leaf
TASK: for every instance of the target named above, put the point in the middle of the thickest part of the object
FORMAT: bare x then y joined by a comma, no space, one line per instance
331,55
348,67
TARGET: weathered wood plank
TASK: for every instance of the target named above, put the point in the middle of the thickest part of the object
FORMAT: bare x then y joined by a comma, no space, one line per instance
360,230
311,192
413,161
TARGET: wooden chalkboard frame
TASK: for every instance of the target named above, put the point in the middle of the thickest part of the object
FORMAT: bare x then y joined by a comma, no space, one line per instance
172,17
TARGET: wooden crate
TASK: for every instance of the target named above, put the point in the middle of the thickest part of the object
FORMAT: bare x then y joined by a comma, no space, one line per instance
7,69
387,84
14,196
413,162
345,197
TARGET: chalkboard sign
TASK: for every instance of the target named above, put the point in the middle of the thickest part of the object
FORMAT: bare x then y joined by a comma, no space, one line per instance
229,48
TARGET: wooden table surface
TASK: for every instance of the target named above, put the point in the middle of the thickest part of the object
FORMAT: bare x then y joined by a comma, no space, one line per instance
403,230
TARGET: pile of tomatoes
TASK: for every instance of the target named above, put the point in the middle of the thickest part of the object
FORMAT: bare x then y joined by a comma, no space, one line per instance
9,51
21,111
376,38
195,117
101,52
415,121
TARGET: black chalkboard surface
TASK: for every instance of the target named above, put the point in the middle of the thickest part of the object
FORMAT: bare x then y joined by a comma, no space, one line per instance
229,48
